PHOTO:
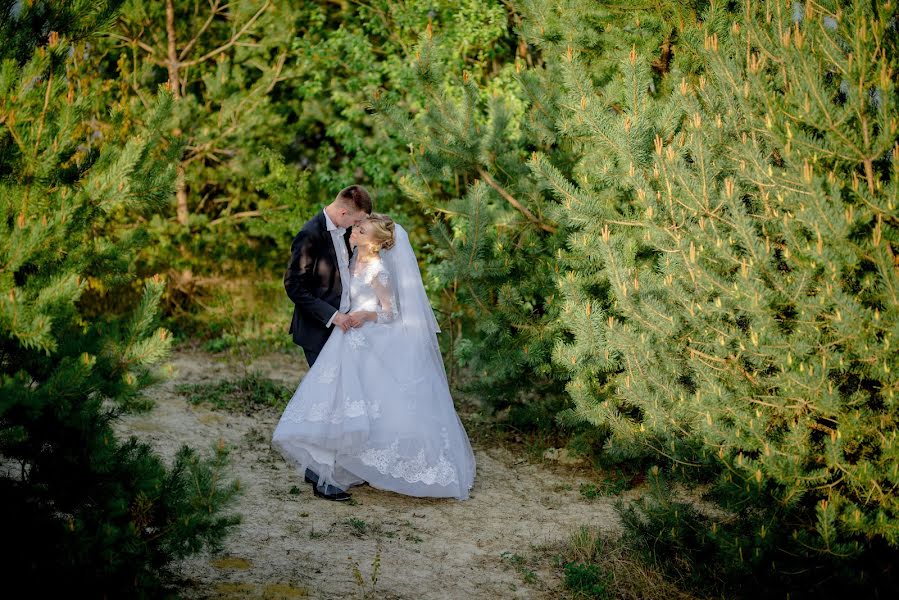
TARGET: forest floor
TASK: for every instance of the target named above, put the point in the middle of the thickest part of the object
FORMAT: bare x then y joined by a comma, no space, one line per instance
289,544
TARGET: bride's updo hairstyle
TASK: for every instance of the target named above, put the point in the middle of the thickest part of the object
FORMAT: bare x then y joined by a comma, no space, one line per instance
381,227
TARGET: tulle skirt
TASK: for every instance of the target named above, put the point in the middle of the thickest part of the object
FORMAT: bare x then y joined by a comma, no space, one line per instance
373,409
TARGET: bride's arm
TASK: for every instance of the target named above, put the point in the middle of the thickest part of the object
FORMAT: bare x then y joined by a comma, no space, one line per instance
386,311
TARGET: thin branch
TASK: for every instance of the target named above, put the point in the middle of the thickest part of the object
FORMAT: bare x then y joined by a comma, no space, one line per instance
277,69
133,42
230,42
243,215
40,127
215,11
511,200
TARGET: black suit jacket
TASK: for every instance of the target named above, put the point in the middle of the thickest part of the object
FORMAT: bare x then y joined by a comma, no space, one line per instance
312,281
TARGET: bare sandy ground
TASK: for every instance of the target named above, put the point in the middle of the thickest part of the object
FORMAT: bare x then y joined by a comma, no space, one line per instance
293,545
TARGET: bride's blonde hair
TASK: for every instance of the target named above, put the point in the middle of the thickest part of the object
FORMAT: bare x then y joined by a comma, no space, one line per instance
382,228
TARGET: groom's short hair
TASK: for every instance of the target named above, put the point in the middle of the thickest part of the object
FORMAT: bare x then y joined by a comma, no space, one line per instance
358,197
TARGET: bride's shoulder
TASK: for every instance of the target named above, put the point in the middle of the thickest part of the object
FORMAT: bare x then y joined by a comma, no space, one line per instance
372,267
378,269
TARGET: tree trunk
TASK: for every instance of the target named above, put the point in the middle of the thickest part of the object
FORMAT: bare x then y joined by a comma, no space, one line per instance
173,64
172,60
181,195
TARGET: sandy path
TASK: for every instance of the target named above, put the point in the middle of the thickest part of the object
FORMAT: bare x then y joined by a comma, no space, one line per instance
294,545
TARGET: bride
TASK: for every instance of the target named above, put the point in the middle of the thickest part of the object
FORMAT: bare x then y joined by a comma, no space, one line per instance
375,407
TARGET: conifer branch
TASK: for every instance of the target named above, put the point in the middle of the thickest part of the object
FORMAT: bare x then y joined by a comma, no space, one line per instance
279,66
40,128
511,200
231,42
239,215
135,42
214,11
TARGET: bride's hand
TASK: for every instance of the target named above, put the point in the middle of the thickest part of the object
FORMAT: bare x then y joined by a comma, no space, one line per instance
359,317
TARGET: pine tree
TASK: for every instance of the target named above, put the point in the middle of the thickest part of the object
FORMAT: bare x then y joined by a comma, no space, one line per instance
256,77
224,63
499,243
82,510
735,280
494,247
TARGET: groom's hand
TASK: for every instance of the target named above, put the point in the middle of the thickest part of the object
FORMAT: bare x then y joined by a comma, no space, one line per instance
343,321
356,319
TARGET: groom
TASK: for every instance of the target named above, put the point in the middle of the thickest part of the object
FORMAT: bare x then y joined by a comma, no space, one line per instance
317,277
317,280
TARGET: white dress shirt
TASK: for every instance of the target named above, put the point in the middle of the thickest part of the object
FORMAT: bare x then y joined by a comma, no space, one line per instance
343,265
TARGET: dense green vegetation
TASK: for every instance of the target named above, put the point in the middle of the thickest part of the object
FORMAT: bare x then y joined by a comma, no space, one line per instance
81,509
665,231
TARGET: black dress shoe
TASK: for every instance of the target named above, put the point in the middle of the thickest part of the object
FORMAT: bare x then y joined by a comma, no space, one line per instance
335,497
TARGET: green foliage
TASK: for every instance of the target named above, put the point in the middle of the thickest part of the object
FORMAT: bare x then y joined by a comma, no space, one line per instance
594,563
687,213
271,119
586,580
730,290
78,337
615,482
243,394
493,264
673,536
25,26
224,225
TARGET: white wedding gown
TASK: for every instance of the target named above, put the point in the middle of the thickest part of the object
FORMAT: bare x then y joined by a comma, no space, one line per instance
375,407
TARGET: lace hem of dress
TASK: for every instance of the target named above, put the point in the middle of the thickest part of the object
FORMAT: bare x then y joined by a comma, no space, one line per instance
325,411
327,374
388,462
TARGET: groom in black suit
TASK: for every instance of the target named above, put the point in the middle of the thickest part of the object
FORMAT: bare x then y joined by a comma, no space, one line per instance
317,280
318,273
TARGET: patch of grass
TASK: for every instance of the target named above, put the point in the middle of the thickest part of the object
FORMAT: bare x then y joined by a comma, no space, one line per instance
615,482
358,526
412,536
224,342
242,395
594,564
521,565
294,490
283,591
589,491
240,315
587,580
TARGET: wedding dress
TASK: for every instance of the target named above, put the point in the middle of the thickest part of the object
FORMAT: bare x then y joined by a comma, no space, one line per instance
376,407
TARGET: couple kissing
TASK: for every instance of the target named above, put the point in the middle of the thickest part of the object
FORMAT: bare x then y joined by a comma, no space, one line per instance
375,405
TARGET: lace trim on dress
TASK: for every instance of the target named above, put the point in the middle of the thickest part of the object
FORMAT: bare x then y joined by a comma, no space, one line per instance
356,339
372,269
324,411
388,462
385,316
327,374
